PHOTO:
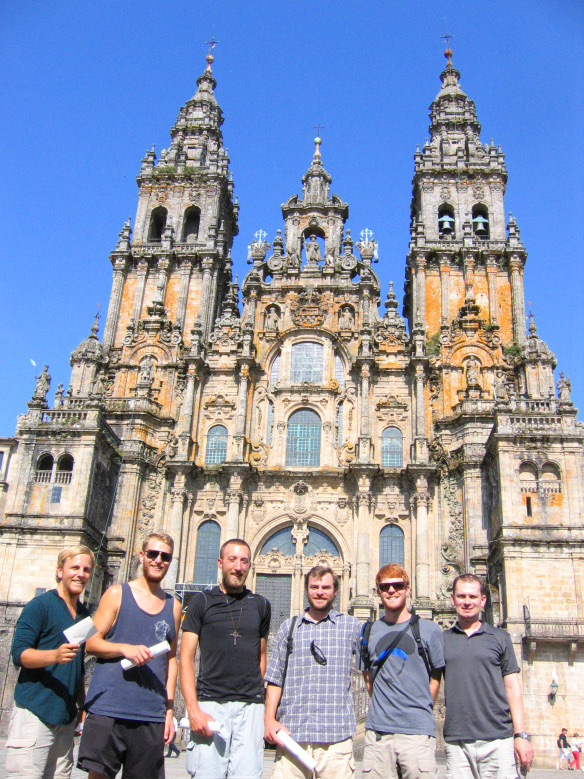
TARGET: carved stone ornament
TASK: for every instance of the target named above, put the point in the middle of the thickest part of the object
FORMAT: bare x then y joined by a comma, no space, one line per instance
258,454
347,454
342,511
219,407
453,548
309,308
146,517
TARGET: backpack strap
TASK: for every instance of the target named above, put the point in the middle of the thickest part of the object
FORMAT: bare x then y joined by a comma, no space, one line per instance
364,644
377,665
415,626
289,648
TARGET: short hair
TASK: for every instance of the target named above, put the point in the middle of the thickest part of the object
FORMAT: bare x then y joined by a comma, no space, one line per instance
73,551
394,570
236,541
318,573
470,577
164,537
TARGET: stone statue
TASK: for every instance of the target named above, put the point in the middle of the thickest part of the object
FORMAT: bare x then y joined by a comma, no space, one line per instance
313,250
329,260
43,382
501,394
346,322
59,396
146,371
564,388
272,319
293,260
472,373
98,385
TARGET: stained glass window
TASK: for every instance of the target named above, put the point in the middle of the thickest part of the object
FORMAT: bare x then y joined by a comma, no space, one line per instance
216,445
275,372
339,372
303,442
307,358
391,448
391,545
319,542
207,552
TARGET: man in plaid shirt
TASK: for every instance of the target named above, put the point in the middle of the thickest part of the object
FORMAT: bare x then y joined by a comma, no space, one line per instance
313,703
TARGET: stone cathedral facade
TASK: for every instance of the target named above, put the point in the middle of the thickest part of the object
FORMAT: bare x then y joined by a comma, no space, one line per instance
294,414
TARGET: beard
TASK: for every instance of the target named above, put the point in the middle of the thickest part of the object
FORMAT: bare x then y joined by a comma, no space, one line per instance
231,582
321,605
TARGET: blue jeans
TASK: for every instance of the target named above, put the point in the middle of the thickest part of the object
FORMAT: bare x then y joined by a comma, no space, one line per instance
240,755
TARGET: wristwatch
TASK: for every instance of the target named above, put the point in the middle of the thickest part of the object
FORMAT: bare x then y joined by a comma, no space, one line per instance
522,734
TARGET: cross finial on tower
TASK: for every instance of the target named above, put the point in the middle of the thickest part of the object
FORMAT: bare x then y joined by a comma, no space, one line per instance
448,50
211,44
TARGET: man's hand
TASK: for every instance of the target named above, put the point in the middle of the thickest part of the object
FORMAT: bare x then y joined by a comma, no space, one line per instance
137,653
66,653
198,720
523,752
168,727
272,726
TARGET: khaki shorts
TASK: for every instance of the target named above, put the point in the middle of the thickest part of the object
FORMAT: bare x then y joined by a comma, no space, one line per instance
35,749
333,761
399,756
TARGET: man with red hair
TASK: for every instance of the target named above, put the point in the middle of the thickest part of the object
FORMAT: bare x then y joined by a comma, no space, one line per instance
402,657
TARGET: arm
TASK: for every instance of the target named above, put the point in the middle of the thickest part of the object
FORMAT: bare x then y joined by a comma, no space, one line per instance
523,749
41,658
198,719
171,675
273,695
368,682
435,678
29,629
263,655
103,619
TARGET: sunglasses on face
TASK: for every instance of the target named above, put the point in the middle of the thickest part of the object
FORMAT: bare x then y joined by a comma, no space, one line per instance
154,554
397,586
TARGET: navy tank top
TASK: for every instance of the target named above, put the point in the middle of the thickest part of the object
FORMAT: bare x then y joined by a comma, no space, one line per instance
140,693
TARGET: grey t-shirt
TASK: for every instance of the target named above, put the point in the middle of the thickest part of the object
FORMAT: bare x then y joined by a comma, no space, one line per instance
401,701
476,702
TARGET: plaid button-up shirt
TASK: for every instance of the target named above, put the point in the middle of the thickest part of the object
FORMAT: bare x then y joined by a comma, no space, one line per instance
316,704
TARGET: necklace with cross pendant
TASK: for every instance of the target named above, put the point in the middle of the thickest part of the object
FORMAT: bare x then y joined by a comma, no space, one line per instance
236,634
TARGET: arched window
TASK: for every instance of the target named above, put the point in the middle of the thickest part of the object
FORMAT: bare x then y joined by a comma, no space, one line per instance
44,468
446,222
269,431
528,477
391,448
191,221
275,372
207,552
339,372
64,469
551,479
480,221
157,223
303,442
281,541
216,445
318,542
307,359
391,545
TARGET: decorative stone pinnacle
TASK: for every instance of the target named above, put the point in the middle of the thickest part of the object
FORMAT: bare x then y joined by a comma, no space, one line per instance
532,327
317,142
95,325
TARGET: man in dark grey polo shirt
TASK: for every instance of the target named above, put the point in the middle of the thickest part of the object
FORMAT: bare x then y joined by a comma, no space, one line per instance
484,728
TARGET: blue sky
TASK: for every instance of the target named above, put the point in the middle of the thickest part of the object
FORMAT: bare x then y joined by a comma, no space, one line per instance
88,87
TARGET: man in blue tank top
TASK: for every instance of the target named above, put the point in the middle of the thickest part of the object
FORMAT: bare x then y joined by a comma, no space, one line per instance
230,625
130,711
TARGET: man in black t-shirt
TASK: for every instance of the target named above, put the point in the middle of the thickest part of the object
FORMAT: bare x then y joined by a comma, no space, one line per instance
230,625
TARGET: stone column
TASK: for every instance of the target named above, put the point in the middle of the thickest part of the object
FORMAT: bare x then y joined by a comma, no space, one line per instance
141,275
420,411
184,546
491,267
363,545
444,290
241,413
420,314
185,420
206,296
421,499
517,300
177,499
125,512
185,277
212,303
233,503
113,313
365,437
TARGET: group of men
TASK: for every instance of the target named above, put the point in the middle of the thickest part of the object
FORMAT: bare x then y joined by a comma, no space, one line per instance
229,707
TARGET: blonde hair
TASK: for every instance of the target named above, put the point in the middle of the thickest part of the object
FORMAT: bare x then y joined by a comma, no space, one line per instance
164,537
73,551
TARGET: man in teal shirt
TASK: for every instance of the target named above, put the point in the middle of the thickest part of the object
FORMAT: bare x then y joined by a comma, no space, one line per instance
50,689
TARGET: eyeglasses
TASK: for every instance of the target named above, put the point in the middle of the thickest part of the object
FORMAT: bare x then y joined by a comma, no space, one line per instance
154,554
397,586
317,654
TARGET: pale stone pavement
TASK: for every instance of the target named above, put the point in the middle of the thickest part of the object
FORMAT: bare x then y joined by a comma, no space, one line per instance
175,768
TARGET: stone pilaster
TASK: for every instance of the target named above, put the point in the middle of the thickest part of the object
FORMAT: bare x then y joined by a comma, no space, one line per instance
113,314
